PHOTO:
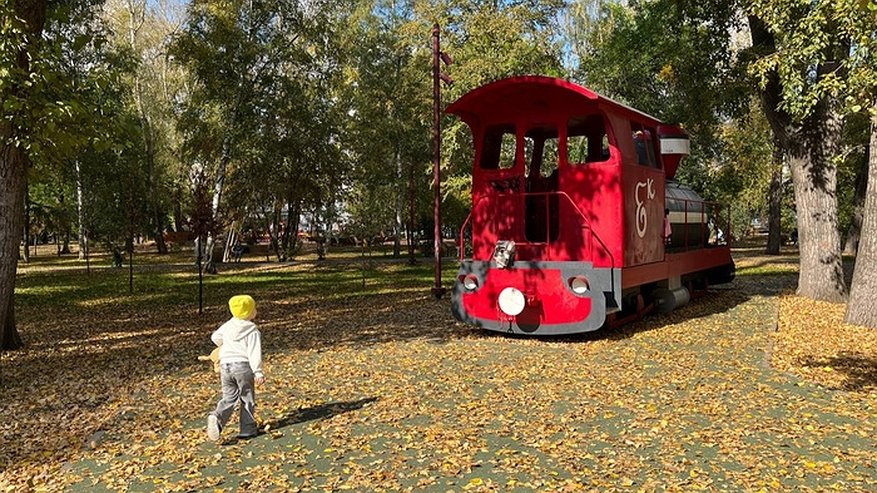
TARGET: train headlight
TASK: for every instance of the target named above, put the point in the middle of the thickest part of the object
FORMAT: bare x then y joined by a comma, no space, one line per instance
470,282
511,301
579,285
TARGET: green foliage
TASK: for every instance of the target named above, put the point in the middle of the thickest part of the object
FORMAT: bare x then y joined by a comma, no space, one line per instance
676,60
52,207
743,172
390,92
389,125
669,59
155,85
77,112
113,205
13,40
491,40
852,163
264,103
41,103
323,111
824,48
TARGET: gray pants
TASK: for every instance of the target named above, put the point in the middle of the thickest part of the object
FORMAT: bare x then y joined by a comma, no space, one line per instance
238,384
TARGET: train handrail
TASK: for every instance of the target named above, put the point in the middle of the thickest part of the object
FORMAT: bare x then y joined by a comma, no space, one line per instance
463,228
709,209
585,221
588,223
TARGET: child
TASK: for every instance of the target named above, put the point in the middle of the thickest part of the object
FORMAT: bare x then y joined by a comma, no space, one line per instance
240,363
668,230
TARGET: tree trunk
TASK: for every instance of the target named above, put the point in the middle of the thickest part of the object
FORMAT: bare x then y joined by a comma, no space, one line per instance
811,146
320,218
13,167
157,220
80,214
412,259
65,248
136,20
210,262
178,213
814,175
26,226
274,230
10,338
774,228
13,174
820,276
269,227
854,233
159,233
224,158
863,294
130,245
290,233
400,205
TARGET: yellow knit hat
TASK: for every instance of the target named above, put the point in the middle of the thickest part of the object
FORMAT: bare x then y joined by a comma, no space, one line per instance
242,306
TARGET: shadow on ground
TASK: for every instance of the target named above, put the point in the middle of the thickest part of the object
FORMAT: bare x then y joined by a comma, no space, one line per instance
323,411
859,371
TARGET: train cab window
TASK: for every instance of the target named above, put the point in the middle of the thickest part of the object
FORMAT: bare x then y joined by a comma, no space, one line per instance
498,149
541,151
542,209
644,145
587,141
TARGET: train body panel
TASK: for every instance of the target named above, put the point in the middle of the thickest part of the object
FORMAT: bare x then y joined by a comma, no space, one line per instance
559,297
643,215
574,209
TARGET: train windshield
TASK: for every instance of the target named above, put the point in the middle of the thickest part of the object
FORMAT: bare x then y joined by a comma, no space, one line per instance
541,154
541,151
498,150
587,141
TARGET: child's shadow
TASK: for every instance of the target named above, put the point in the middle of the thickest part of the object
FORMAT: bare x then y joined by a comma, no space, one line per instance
307,414
317,412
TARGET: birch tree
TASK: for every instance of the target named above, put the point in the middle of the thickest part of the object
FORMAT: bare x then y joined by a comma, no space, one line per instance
144,29
220,47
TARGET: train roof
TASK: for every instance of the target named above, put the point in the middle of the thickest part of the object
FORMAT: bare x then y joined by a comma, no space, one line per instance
498,93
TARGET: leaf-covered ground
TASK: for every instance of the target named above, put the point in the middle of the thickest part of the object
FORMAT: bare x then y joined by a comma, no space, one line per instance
813,341
372,386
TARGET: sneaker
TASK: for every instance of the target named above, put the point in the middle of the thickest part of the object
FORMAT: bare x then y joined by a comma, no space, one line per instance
213,428
247,436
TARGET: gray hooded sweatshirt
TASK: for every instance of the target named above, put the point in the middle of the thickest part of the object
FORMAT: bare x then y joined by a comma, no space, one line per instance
240,341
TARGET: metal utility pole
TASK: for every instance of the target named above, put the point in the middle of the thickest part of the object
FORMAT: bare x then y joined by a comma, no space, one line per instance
437,290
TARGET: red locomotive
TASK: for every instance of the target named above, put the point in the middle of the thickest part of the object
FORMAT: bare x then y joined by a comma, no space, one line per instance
576,220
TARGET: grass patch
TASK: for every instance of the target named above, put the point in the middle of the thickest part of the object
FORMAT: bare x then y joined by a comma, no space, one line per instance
176,282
